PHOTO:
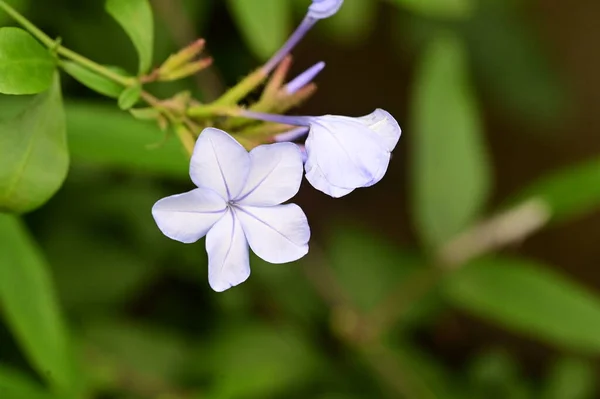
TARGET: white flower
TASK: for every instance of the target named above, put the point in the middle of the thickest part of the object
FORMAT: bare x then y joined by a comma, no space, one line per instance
345,153
236,204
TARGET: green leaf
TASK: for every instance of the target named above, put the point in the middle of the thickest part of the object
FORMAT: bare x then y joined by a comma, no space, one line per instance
135,17
129,97
26,67
450,167
571,378
92,80
34,159
102,134
569,192
30,306
264,24
438,8
529,298
15,385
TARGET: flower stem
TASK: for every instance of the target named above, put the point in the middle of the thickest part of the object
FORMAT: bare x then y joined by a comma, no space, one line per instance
65,52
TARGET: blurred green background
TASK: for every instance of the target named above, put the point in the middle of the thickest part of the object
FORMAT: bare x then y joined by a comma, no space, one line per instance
498,100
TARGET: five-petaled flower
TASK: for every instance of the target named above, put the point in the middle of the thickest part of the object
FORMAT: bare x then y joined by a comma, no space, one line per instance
236,204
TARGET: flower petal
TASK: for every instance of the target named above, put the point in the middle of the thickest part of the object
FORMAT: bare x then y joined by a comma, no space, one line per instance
228,258
188,217
348,153
315,177
220,163
275,175
384,125
320,9
277,234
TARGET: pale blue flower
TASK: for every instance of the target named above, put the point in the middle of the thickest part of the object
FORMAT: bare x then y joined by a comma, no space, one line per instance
319,9
344,153
237,204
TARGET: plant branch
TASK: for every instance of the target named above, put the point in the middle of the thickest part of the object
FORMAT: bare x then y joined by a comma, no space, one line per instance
65,52
505,228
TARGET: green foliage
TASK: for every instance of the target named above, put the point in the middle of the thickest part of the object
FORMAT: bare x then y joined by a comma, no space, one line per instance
33,153
242,369
105,136
15,385
527,297
30,306
450,169
152,351
129,97
507,56
265,24
571,378
26,67
92,80
19,5
439,8
496,374
569,192
135,17
142,319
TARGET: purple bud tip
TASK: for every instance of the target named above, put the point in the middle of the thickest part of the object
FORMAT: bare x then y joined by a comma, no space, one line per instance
291,135
320,9
304,78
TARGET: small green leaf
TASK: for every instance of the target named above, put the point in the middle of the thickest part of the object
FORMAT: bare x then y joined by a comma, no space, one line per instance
569,192
15,385
439,8
34,159
129,97
135,17
527,297
26,67
145,114
450,167
264,24
571,378
92,80
30,306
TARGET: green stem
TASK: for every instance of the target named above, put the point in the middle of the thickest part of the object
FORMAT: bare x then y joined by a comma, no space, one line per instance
34,30
65,52
99,69
242,89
